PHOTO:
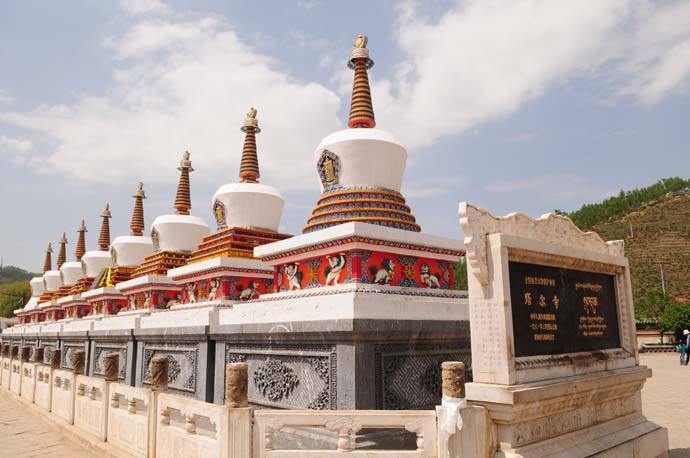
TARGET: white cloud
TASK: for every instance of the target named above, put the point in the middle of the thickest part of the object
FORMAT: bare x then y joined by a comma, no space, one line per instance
144,6
483,59
5,98
15,145
186,85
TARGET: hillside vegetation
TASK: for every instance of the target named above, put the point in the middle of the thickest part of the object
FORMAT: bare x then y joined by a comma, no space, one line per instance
15,290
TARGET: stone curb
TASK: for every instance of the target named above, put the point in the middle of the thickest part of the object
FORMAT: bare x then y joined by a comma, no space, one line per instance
69,433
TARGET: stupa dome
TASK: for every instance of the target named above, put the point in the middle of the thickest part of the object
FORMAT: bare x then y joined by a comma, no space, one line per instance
71,272
250,205
362,157
53,280
178,233
130,250
361,168
95,261
37,286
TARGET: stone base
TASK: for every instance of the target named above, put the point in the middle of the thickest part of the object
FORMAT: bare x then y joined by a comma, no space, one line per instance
628,437
598,414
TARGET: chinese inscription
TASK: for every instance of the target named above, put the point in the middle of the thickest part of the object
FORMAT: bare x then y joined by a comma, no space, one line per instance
557,310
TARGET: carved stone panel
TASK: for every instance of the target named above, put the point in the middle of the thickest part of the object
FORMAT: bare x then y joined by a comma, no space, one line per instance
409,377
296,376
182,365
67,353
99,354
48,352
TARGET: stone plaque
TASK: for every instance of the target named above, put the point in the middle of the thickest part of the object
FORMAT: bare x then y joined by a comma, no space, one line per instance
557,310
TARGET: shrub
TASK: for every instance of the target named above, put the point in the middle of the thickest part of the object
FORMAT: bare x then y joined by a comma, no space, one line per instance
676,318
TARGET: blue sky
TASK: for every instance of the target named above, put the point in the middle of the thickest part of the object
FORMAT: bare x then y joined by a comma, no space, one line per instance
517,105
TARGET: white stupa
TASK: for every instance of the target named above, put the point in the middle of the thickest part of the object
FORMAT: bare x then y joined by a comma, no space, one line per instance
248,204
181,232
130,250
96,260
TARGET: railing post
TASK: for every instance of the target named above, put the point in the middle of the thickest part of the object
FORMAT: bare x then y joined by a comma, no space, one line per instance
78,362
14,352
24,354
55,359
453,378
159,383
39,353
111,367
239,413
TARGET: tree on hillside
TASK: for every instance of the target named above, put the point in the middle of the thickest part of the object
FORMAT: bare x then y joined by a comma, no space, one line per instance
13,296
676,318
653,305
460,271
10,274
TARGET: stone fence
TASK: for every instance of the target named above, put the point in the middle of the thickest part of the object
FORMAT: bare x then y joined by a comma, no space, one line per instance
143,422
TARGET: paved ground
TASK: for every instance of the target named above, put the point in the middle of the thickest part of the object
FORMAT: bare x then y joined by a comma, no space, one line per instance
666,399
23,435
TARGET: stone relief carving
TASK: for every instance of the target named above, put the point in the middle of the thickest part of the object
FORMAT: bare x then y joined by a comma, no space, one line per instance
477,223
302,381
182,365
409,378
275,380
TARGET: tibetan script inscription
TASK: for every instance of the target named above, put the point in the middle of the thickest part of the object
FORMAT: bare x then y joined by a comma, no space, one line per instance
558,310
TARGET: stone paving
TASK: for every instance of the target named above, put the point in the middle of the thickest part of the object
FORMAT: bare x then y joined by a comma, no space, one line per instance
666,399
24,435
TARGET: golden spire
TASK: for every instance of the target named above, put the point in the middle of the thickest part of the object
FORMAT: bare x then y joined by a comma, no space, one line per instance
48,263
361,109
183,201
62,252
81,242
249,165
137,224
104,236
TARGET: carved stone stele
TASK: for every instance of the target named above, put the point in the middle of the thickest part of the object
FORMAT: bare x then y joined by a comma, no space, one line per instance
236,385
159,373
78,362
38,355
453,376
55,359
111,367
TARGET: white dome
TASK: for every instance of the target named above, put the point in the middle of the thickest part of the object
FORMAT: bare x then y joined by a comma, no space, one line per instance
32,304
130,250
178,233
249,205
53,280
38,285
71,273
95,261
368,157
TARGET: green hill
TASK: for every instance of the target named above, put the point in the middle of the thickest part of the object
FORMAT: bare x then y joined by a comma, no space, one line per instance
14,289
660,239
10,274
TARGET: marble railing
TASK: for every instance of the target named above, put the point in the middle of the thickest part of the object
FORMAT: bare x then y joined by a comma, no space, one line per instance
143,422
28,384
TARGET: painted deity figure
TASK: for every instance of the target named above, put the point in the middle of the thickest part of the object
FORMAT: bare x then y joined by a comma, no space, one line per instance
384,275
250,292
336,263
190,288
292,276
428,278
214,291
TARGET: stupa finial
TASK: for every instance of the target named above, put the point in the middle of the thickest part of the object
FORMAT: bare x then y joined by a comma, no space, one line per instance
249,165
183,201
361,109
137,224
81,242
48,262
62,252
104,236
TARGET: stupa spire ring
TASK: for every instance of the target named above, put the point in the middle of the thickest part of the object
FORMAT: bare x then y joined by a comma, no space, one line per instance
104,236
183,201
361,108
62,252
249,165
137,223
48,262
81,242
